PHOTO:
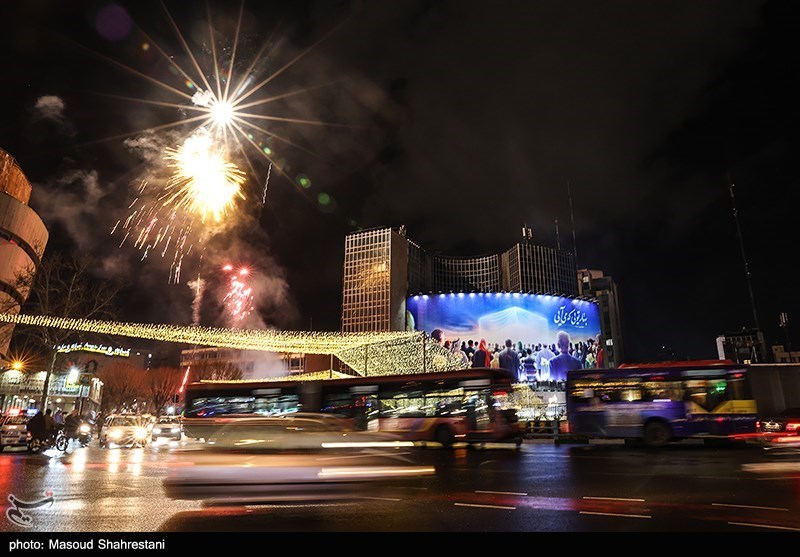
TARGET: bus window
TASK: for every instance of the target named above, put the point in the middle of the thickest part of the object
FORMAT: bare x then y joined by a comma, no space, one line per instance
276,405
739,389
706,393
662,391
204,407
607,391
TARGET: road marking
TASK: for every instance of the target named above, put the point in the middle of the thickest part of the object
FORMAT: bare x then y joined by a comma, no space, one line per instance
779,478
764,526
413,487
382,499
501,492
297,506
485,506
615,499
367,455
749,507
618,514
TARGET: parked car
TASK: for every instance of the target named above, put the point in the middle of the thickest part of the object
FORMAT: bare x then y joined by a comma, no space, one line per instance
786,422
124,431
13,432
167,428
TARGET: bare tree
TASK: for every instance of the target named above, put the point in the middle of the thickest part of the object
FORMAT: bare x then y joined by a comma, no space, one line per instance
123,385
215,371
62,286
162,384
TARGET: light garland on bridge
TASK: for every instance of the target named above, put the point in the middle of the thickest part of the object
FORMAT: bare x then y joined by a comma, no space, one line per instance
243,339
371,353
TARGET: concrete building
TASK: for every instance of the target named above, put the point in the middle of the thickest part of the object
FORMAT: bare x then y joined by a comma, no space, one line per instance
782,356
22,391
382,267
253,364
743,347
23,238
592,283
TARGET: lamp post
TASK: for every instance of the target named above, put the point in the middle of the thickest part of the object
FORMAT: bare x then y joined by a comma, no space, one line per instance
89,370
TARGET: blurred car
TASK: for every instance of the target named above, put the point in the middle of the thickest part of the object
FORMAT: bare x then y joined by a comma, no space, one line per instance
13,432
785,423
296,431
167,428
123,430
293,457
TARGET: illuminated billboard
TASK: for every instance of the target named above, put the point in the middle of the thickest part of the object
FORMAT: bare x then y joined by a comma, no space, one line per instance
528,318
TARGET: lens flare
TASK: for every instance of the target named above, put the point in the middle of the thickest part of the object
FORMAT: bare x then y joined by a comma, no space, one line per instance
203,182
222,113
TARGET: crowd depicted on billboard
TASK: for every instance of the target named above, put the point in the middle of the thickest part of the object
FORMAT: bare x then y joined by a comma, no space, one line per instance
538,337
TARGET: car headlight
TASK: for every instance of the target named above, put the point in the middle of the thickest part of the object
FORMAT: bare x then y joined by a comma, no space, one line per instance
115,433
84,428
140,432
156,430
176,429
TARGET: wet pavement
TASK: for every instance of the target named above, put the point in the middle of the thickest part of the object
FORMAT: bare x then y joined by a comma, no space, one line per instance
542,487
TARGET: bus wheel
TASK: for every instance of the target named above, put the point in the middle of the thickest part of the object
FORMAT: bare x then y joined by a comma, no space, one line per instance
657,433
445,436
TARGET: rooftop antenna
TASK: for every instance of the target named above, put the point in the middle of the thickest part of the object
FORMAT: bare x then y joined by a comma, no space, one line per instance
527,233
558,238
572,220
744,254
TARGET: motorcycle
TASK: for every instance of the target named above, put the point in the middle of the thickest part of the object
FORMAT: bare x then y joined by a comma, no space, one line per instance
55,440
83,433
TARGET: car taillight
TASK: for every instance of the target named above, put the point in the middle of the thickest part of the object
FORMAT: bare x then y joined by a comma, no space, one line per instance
793,426
758,425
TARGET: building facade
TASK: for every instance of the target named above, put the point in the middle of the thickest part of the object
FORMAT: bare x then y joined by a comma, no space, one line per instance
747,346
375,282
23,238
67,391
593,283
382,268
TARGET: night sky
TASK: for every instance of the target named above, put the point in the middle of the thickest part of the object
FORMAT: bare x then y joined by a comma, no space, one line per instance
461,120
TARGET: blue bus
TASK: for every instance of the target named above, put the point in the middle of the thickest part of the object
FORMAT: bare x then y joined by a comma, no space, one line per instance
662,402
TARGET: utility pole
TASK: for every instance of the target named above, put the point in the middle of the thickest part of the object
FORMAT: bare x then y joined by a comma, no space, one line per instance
558,238
572,221
744,257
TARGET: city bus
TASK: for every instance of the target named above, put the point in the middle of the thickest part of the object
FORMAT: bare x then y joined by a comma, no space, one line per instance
658,403
447,407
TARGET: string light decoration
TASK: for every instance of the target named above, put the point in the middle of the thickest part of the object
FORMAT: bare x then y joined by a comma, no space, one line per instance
327,375
372,353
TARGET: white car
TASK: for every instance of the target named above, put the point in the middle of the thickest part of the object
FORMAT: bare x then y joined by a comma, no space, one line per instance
124,431
13,432
167,428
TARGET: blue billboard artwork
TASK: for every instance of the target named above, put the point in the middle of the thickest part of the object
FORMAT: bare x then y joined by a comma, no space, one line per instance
532,319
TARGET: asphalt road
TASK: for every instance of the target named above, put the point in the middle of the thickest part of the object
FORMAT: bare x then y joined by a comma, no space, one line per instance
542,487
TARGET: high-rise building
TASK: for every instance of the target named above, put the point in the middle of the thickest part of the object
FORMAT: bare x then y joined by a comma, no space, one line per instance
382,268
593,283
23,237
375,284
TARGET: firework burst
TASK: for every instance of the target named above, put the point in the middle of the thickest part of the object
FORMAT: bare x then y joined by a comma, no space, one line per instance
224,105
238,300
203,181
